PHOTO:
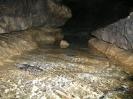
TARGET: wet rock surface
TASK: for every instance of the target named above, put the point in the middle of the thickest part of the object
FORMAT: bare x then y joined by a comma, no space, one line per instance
55,73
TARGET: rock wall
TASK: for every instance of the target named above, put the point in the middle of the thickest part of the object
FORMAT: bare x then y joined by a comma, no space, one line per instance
120,33
16,43
16,15
119,56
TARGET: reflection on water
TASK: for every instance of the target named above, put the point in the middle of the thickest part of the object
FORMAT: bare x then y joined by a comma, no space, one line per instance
49,72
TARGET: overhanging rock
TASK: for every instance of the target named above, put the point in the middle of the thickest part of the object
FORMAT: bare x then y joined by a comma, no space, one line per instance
47,13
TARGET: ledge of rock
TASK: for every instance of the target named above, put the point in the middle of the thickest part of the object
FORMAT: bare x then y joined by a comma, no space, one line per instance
119,33
27,14
120,56
15,43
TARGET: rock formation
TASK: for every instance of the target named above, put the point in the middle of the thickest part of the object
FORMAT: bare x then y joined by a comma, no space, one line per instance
16,43
119,56
119,33
32,66
16,15
64,44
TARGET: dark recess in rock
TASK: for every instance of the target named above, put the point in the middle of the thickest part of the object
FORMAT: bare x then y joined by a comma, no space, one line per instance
92,14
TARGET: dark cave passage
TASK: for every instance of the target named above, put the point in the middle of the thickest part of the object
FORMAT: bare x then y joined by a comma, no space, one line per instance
89,15
92,14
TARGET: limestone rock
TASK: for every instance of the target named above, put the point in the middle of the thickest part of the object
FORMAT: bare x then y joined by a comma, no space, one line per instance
41,13
120,56
15,43
119,33
64,44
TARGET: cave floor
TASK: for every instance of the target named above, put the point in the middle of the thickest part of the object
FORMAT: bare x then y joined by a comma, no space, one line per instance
54,73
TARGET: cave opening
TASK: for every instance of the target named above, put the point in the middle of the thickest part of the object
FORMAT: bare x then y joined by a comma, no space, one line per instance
90,15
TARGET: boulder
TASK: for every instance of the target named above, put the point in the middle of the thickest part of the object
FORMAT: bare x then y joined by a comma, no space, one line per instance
64,44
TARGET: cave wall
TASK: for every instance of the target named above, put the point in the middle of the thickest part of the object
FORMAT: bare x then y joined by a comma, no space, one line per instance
16,15
87,15
119,33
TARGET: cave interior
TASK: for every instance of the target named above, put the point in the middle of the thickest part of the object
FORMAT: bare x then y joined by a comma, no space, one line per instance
90,15
55,71
87,15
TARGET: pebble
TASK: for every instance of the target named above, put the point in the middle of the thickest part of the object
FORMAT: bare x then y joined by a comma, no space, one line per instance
64,44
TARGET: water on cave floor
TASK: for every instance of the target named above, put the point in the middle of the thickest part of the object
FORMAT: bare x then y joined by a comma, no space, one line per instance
54,73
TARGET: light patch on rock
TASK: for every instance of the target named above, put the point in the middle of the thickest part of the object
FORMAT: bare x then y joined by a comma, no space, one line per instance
64,44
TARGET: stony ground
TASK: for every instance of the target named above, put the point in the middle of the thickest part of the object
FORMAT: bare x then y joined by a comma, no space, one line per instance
54,73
